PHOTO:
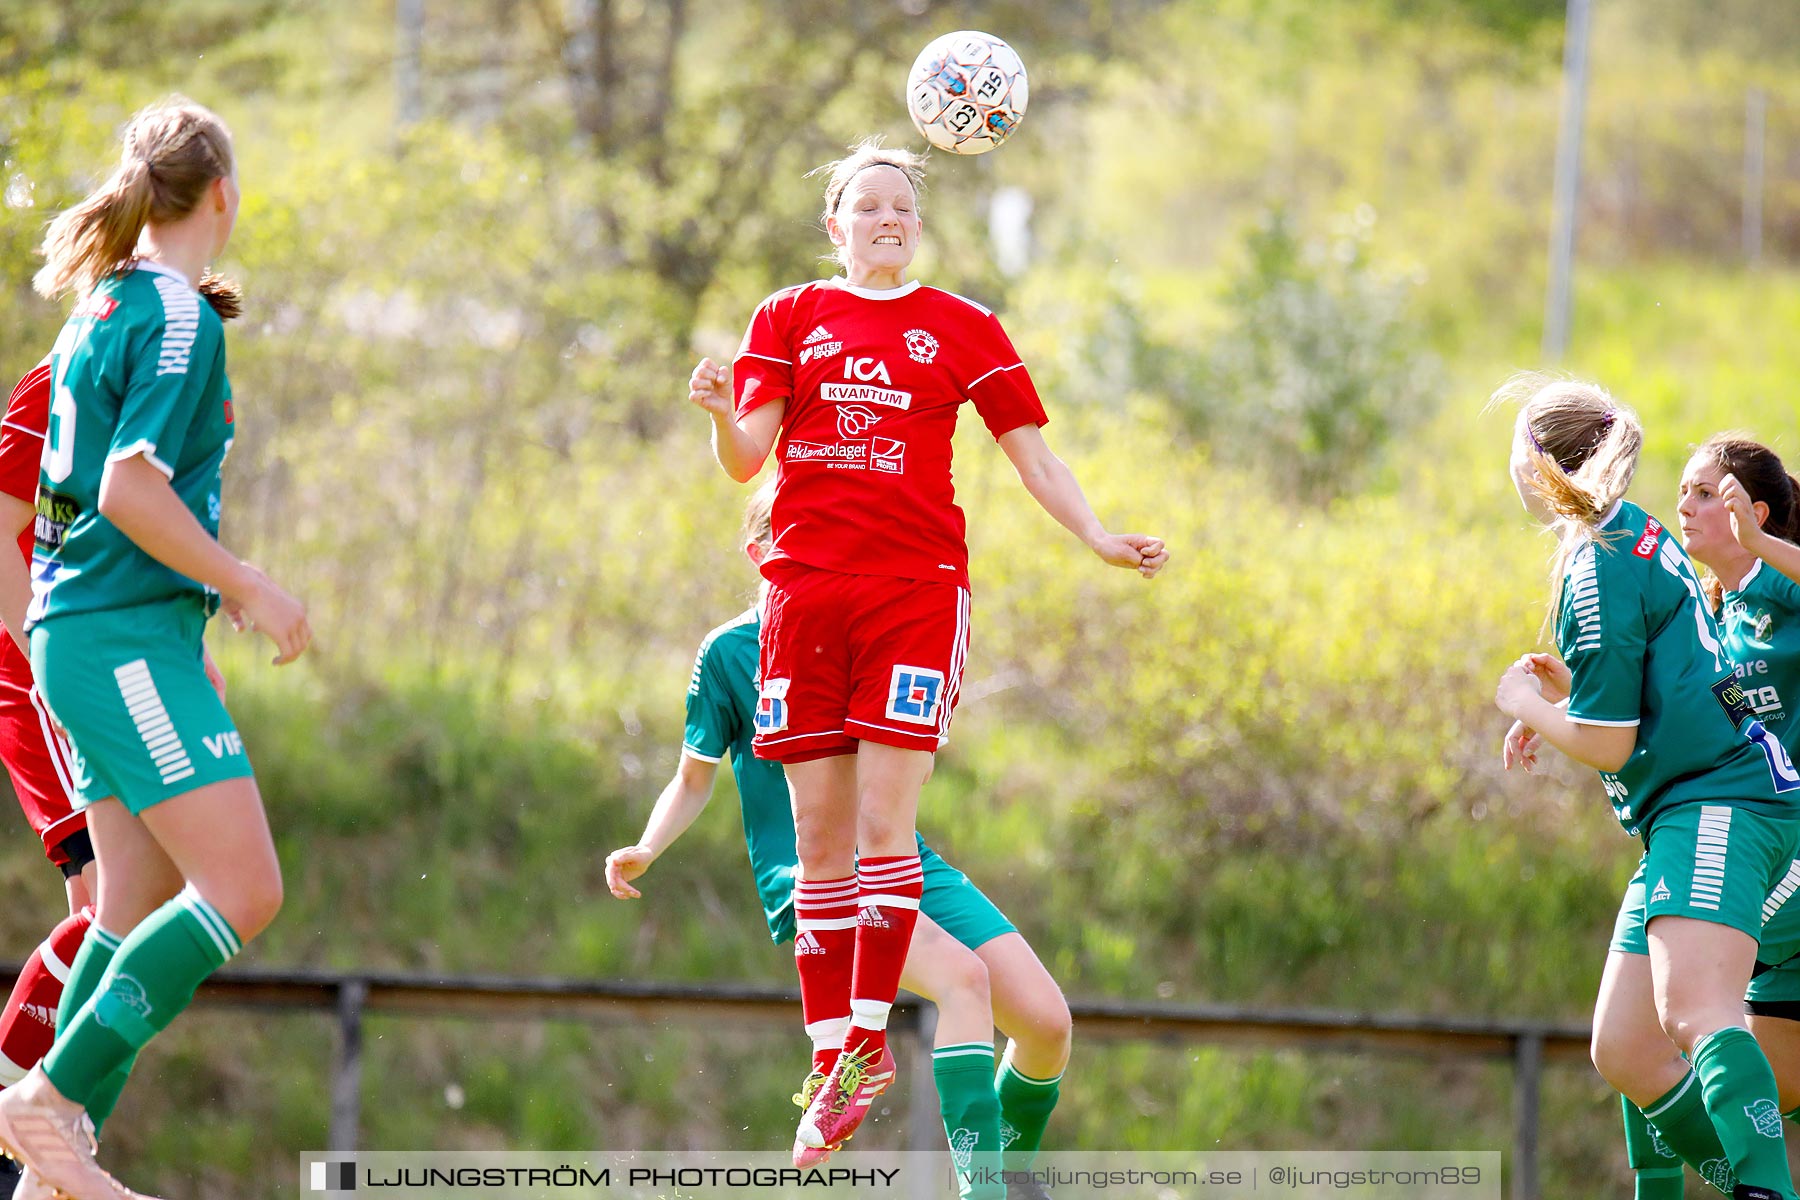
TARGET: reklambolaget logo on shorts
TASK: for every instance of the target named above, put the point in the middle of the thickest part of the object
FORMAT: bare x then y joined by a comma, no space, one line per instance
332,1178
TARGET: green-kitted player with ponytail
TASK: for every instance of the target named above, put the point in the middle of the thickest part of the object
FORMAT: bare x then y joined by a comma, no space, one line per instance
1645,693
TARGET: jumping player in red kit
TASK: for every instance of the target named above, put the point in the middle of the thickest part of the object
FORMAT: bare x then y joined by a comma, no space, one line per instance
856,383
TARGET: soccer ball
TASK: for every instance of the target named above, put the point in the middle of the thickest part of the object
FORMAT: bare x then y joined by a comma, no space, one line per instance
967,92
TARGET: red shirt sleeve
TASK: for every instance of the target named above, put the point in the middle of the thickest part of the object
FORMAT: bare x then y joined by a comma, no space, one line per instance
1000,387
22,434
763,371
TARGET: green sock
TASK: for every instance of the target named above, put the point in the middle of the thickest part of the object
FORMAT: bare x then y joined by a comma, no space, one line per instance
1739,1090
1025,1108
151,979
1657,1168
1680,1117
89,967
85,973
964,1074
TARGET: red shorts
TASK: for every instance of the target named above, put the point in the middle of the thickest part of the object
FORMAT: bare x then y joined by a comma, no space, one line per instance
37,758
848,658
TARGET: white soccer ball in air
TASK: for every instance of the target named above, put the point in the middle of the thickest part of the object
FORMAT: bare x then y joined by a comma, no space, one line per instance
967,92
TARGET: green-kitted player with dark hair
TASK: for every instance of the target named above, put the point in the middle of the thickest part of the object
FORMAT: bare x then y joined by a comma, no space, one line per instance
1645,693
965,955
1740,518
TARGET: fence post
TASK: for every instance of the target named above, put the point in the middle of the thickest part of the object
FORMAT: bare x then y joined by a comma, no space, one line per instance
346,1080
1756,107
1528,1069
1558,305
922,1122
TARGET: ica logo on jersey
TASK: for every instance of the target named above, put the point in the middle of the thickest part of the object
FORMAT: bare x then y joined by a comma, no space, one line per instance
867,370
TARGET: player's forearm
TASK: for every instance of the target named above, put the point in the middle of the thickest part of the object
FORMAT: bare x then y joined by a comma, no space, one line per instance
1057,492
1784,556
1602,747
137,499
676,809
736,448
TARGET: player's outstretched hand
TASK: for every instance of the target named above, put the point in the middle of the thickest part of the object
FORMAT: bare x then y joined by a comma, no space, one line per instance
624,865
1144,554
1520,747
263,607
709,387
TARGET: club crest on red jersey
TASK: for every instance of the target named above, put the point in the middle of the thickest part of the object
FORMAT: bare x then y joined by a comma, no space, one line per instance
921,347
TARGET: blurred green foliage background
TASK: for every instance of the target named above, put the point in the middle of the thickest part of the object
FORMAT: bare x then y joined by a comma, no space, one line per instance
1280,252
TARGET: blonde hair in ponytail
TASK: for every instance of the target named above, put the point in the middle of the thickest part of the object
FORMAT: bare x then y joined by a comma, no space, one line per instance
1584,446
171,154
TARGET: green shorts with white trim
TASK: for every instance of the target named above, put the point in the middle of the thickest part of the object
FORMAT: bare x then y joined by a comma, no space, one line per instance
130,687
1711,862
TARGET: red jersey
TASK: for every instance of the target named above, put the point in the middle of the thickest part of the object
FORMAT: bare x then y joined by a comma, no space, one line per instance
874,381
22,434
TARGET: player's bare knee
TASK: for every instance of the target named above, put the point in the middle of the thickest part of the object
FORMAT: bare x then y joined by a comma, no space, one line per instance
968,976
251,905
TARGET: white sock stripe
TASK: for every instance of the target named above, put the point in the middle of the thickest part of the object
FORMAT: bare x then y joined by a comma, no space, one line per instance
875,883
211,932
879,900
966,1050
870,1014
1653,1113
887,879
209,916
59,970
802,924
829,1033
11,1072
909,863
1022,1077
835,892
105,937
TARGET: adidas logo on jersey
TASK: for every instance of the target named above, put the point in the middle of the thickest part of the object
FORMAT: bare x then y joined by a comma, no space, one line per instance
871,916
43,1014
806,943
819,334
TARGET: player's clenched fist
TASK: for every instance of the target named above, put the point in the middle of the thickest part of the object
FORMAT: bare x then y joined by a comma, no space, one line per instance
710,388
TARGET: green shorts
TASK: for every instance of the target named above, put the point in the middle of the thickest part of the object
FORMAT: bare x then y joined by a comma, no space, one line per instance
129,686
1711,862
950,899
1777,985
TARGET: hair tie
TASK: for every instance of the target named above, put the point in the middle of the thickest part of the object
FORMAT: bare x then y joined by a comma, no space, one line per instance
1606,418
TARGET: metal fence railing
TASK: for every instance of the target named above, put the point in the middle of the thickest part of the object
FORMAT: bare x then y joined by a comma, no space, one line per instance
1527,1045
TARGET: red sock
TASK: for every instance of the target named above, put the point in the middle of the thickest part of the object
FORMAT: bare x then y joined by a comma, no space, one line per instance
887,909
28,1022
824,950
